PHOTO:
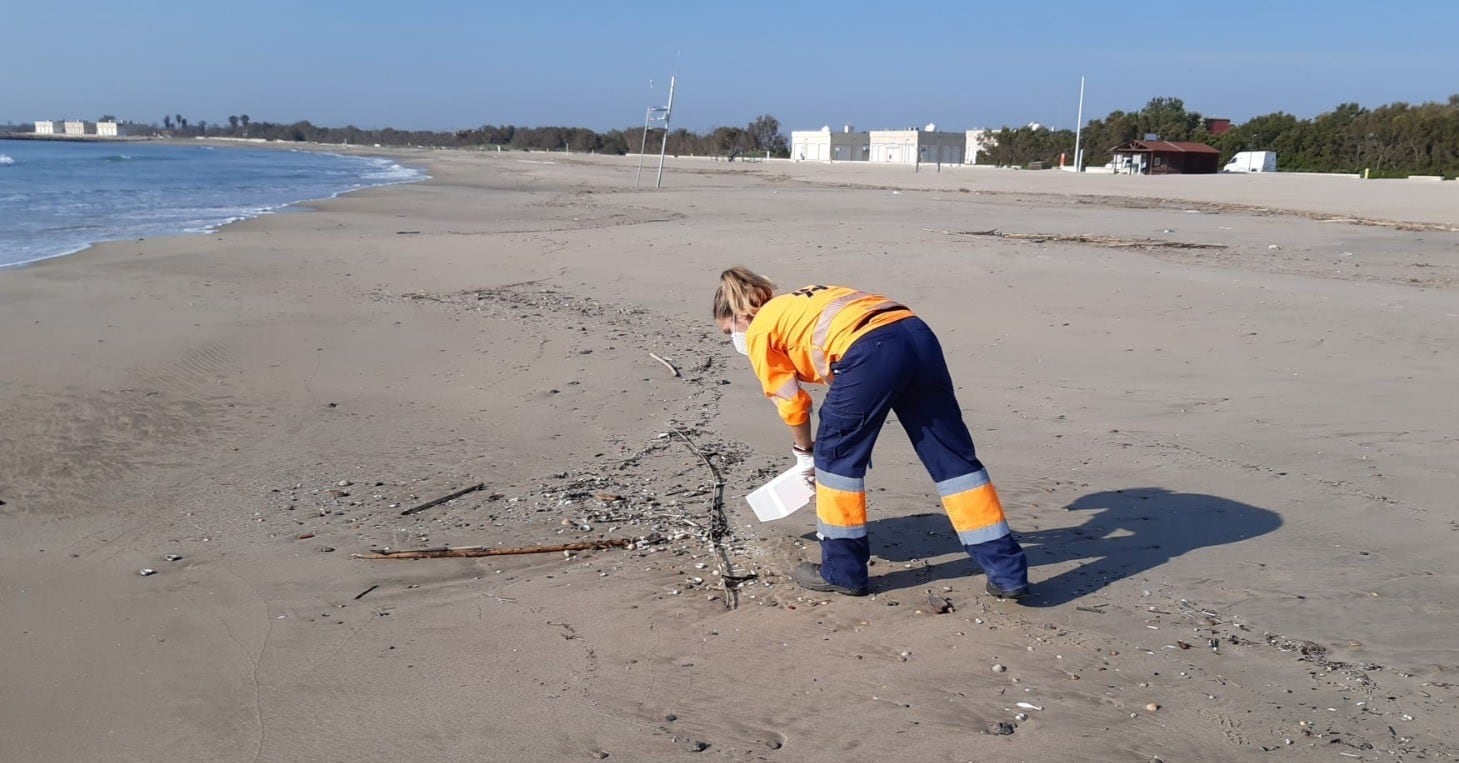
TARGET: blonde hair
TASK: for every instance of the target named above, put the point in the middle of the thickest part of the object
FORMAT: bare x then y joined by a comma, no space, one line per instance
741,292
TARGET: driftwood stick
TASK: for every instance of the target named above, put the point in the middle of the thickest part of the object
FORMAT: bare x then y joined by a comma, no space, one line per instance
666,363
718,528
444,498
476,551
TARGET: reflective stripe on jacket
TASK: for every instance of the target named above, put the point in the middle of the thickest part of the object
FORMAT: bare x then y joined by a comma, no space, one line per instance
795,338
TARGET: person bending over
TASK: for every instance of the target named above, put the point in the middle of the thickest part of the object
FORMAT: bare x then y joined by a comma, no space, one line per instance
877,357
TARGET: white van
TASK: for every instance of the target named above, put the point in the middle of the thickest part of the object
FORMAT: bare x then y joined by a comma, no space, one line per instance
1252,161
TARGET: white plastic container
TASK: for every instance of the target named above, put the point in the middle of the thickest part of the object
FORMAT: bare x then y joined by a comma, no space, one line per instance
782,496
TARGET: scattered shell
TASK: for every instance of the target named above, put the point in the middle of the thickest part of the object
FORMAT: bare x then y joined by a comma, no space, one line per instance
173,557
1021,717
999,668
145,571
1152,707
1029,706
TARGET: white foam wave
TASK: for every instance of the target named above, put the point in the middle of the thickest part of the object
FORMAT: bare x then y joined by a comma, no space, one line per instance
6,160
384,171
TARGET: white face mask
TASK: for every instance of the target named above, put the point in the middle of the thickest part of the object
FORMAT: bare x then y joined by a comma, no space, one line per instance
737,338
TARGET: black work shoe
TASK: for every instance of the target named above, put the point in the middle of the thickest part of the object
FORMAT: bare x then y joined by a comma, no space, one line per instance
808,576
1012,593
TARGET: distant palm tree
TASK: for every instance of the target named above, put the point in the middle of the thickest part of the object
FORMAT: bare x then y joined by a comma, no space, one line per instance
232,122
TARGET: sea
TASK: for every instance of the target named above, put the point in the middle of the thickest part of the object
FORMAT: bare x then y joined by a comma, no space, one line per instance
59,197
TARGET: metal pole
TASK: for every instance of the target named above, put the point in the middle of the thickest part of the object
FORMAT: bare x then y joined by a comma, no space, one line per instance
1078,131
663,147
643,147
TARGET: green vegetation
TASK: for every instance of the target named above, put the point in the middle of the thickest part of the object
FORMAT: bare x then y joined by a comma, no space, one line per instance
760,135
1395,140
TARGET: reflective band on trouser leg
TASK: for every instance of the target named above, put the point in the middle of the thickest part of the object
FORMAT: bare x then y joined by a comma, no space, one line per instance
841,525
972,505
840,506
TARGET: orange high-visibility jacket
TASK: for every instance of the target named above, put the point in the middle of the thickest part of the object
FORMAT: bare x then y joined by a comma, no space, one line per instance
795,338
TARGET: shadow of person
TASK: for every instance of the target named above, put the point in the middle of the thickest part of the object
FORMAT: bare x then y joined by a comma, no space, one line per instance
1129,532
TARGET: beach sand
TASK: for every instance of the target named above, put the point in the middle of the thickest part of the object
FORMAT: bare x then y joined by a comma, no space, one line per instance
1232,467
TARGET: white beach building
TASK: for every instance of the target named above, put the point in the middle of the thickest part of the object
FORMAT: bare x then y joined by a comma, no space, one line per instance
823,145
75,128
979,142
927,146
46,127
107,129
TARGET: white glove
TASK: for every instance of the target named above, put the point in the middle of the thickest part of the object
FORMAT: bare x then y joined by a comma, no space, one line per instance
805,464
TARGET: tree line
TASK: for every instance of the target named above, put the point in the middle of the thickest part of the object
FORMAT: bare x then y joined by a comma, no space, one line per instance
760,135
1393,140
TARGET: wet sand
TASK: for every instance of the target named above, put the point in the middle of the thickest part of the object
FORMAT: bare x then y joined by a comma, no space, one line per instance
1219,411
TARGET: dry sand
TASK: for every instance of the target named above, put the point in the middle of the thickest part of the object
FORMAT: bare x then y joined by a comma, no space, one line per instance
1233,469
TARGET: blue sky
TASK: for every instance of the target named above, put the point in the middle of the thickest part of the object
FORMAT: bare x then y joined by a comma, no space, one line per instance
448,65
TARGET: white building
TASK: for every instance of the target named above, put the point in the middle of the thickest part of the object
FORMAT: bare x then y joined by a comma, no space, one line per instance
45,128
75,128
925,146
979,142
107,129
823,145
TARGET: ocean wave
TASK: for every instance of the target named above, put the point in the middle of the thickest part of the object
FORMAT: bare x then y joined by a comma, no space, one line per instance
6,160
389,168
381,170
151,199
134,158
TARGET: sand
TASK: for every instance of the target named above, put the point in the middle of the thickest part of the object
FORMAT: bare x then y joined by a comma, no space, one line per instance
1232,467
